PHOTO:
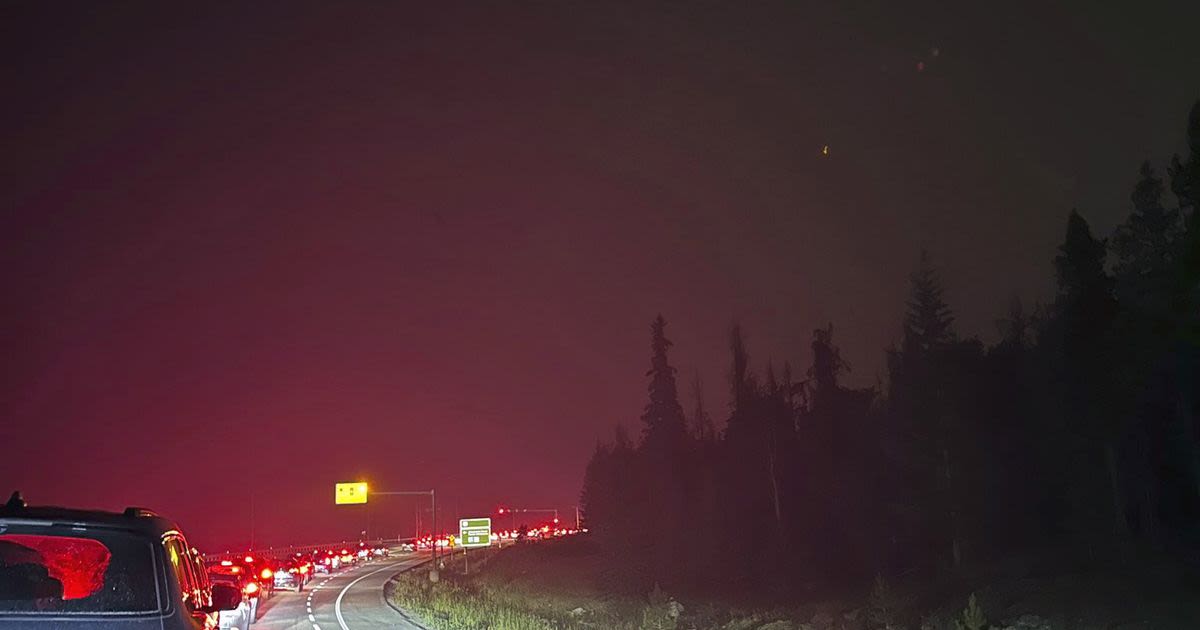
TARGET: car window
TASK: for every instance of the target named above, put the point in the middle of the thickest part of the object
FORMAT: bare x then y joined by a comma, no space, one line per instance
73,571
223,578
198,572
181,564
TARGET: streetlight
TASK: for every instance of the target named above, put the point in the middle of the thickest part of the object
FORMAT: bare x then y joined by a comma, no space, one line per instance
357,493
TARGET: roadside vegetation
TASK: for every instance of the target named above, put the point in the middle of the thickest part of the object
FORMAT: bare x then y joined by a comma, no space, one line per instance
558,585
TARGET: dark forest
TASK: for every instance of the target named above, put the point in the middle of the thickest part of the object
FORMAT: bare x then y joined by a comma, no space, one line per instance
1079,428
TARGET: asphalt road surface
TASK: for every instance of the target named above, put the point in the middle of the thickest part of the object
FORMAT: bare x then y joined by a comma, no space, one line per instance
347,600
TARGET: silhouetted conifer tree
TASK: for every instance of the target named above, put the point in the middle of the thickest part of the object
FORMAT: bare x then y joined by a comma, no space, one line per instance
1083,315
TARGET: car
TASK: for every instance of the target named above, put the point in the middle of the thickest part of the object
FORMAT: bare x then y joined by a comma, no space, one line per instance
292,573
261,569
243,577
327,561
255,569
68,568
246,612
303,565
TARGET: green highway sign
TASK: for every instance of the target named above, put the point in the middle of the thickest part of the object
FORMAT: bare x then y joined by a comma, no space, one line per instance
475,532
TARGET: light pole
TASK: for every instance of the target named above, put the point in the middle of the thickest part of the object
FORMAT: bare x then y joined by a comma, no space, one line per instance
252,519
433,573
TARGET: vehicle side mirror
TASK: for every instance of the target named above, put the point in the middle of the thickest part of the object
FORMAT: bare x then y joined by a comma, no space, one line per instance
225,597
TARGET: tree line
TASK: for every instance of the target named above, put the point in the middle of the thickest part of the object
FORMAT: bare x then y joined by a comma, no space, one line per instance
1081,423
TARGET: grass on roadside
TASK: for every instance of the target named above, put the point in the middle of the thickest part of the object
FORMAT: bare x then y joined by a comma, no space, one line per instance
482,600
549,586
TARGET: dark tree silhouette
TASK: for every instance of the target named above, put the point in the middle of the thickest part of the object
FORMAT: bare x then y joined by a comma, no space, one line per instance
924,411
665,426
1080,423
1079,334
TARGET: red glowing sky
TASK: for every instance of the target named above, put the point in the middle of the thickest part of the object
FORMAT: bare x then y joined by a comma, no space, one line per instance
259,250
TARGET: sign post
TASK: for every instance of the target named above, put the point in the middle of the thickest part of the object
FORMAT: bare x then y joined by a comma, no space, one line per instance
473,532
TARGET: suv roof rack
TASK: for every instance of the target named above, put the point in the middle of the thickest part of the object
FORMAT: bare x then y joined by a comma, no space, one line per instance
136,512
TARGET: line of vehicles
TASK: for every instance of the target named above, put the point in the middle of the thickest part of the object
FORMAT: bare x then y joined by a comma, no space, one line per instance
258,577
65,568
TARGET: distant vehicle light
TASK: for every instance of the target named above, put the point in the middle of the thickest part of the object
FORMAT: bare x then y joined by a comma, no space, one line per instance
267,573
235,569
251,588
226,563
249,559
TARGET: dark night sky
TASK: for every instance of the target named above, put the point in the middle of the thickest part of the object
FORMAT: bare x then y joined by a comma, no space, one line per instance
275,247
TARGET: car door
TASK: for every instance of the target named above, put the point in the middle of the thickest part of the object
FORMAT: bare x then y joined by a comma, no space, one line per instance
195,592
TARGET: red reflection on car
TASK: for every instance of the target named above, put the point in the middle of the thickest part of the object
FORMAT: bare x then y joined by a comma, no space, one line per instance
79,563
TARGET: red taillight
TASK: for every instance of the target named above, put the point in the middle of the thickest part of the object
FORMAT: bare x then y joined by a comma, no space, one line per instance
235,569
251,588
303,570
266,574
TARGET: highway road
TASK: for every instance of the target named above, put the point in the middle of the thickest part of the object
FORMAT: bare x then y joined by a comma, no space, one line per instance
347,600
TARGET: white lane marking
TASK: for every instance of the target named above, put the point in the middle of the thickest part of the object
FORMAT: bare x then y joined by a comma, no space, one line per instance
308,610
312,618
337,605
316,627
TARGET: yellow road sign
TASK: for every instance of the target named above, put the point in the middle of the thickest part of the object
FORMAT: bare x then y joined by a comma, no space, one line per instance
347,493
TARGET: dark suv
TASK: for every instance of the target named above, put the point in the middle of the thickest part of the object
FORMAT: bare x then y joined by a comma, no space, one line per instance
64,568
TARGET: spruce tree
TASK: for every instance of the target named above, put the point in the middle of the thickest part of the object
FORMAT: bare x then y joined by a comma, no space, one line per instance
1081,331
928,323
663,462
927,415
663,419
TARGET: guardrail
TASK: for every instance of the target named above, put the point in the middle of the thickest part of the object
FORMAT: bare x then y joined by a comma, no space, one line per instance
277,552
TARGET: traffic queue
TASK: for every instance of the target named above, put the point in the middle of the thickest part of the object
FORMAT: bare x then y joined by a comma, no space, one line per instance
258,576
66,568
